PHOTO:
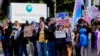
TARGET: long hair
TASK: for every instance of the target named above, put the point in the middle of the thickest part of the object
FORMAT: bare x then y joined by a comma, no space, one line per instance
40,23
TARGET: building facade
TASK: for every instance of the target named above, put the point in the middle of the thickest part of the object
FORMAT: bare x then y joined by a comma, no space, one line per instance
92,3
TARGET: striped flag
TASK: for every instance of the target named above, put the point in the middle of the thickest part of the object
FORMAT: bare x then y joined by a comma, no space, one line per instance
77,14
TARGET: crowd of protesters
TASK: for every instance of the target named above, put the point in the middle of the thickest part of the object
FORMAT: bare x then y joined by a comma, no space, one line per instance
43,41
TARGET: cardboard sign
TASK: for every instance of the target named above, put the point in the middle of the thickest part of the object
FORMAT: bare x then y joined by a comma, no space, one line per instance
60,34
28,31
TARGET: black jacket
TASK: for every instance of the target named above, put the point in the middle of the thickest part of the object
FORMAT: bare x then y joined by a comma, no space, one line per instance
51,29
21,38
46,32
33,38
6,34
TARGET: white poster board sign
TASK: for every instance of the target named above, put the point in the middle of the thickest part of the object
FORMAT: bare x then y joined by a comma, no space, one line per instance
27,11
60,34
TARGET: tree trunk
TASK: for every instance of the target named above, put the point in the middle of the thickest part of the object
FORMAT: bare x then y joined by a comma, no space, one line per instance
54,8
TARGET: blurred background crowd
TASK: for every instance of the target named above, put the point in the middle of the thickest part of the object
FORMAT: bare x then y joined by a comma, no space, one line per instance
41,39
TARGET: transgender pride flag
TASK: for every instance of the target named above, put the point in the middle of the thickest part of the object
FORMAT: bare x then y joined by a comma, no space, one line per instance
77,12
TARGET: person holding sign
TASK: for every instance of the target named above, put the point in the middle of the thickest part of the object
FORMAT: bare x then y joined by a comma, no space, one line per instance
61,42
28,35
42,38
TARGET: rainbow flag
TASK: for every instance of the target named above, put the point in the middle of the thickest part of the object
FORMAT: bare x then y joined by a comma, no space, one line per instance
77,14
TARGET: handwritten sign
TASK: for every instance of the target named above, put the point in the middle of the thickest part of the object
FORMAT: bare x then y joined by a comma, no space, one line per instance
60,34
63,21
62,14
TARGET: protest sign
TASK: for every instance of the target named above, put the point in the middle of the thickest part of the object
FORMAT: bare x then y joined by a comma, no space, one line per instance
28,31
60,34
64,21
62,18
62,14
93,12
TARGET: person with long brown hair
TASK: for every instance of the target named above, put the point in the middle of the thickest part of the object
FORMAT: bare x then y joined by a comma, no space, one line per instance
42,38
61,42
5,33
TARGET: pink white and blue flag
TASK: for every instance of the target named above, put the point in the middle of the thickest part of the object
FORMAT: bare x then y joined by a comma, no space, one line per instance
77,14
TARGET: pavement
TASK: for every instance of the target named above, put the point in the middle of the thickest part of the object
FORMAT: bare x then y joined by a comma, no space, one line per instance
89,51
